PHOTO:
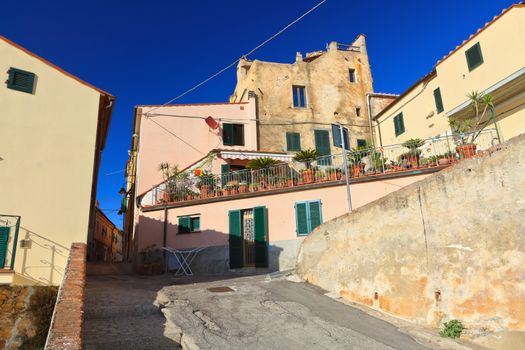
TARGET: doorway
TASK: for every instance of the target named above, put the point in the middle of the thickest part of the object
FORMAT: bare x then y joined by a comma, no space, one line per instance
248,238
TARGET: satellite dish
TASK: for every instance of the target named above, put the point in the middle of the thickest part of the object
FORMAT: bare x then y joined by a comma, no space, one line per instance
212,123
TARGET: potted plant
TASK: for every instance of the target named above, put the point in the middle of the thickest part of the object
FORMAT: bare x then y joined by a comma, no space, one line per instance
307,156
466,131
206,183
151,262
355,161
243,187
414,152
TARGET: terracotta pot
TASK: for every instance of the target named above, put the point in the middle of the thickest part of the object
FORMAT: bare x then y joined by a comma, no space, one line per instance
243,188
204,191
466,151
414,161
166,197
333,176
357,170
289,183
443,161
339,175
308,176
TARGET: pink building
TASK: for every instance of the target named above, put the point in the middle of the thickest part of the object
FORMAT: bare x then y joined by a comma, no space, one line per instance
245,218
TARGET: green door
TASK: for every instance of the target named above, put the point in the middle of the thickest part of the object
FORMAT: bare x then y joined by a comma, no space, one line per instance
235,238
4,240
322,145
260,237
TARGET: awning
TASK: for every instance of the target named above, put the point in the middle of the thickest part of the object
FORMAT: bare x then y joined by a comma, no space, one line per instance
246,155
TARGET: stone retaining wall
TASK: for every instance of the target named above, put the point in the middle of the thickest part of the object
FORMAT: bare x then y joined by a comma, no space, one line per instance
451,246
68,318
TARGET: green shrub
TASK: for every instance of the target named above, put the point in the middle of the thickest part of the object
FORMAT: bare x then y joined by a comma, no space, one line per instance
451,329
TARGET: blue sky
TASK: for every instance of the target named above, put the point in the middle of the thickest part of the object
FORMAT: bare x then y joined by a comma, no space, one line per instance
147,52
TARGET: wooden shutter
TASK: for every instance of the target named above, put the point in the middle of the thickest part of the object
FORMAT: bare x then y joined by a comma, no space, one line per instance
227,134
196,224
225,169
260,236
315,214
293,141
438,100
4,240
322,142
474,57
399,124
21,80
301,218
235,238
184,224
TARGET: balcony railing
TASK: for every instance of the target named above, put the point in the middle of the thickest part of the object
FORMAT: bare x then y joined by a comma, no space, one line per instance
436,152
9,227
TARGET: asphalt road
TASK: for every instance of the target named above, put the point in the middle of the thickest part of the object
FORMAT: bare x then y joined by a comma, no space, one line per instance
263,313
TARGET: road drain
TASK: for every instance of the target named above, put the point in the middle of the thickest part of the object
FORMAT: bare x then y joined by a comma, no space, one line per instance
220,289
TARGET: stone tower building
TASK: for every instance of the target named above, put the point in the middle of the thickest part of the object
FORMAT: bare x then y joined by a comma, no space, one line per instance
297,103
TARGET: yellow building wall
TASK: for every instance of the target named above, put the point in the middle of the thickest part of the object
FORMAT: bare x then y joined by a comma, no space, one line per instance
47,144
503,50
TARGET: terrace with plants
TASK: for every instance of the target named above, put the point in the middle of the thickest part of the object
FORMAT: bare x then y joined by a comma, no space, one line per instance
264,175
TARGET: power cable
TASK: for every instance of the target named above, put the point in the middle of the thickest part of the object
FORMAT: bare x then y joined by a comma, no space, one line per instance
173,134
245,55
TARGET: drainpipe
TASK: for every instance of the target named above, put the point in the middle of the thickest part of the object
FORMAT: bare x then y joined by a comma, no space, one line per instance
369,110
165,238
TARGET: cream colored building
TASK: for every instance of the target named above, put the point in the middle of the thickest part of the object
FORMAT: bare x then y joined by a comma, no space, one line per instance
490,61
53,130
298,102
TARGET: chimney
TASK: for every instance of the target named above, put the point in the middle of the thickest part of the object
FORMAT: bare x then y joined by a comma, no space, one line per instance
332,46
298,57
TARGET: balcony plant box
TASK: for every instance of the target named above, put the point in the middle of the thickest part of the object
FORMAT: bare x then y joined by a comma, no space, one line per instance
357,169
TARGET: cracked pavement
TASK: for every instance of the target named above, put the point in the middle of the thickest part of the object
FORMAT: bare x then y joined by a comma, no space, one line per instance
265,313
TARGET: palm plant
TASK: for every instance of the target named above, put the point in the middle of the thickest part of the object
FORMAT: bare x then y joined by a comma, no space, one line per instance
306,156
413,146
481,104
261,163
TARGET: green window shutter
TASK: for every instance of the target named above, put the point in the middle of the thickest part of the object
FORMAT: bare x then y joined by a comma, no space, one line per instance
195,224
4,240
322,142
21,80
474,57
293,141
235,238
438,100
227,134
261,243
399,124
315,214
184,224
225,169
301,218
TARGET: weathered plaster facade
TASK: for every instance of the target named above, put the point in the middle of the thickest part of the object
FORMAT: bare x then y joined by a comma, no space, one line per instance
451,246
330,95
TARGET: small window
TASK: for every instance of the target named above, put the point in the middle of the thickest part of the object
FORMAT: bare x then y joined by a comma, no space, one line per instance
361,143
358,111
189,224
308,215
233,134
351,75
293,141
21,80
299,96
474,57
399,124
438,100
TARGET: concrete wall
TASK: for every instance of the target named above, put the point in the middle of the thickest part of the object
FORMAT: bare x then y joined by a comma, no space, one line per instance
330,96
449,247
503,51
47,143
283,240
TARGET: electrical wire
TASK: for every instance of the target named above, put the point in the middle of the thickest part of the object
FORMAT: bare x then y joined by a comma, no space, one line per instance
178,137
245,55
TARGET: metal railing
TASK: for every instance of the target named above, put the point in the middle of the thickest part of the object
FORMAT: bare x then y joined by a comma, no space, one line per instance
9,227
438,151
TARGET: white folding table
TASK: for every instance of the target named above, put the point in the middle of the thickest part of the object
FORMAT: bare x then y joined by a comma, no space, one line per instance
184,258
